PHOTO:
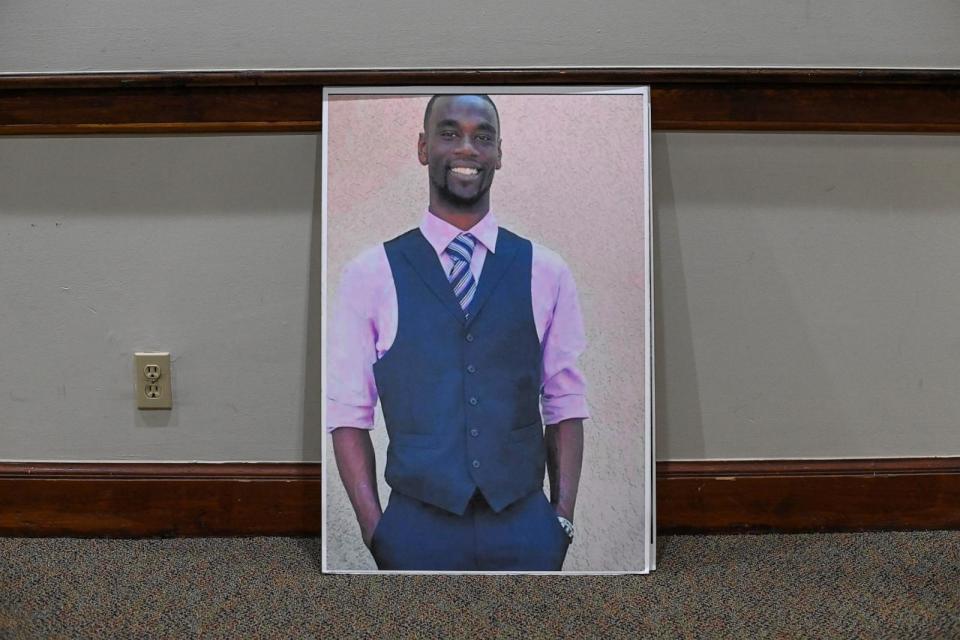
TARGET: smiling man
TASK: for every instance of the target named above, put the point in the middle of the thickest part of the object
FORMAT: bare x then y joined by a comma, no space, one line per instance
466,334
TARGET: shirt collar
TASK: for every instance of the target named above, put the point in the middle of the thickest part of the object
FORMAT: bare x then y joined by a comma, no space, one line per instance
440,233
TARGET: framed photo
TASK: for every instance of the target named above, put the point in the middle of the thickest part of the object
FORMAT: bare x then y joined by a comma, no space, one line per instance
487,330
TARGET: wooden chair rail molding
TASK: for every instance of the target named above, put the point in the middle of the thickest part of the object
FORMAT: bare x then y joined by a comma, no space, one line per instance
710,99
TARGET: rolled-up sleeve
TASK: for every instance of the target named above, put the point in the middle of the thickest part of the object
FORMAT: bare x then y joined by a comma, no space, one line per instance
351,346
564,395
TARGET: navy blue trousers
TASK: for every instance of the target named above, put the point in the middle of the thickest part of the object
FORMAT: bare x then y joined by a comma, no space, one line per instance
415,536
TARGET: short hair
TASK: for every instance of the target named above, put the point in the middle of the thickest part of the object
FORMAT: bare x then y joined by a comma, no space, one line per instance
482,96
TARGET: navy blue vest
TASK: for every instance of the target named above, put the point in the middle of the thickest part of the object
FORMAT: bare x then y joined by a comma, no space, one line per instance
461,397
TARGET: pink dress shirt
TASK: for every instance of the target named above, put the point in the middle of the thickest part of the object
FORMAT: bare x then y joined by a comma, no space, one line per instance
364,326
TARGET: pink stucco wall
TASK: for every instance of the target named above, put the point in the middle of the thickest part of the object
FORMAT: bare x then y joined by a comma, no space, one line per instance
572,180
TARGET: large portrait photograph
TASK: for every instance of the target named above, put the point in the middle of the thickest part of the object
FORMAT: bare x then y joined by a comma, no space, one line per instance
487,334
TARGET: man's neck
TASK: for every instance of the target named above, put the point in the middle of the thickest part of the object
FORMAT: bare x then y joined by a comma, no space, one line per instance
463,220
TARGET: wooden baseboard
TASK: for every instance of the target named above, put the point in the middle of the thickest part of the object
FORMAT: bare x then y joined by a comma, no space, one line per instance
168,500
158,499
808,495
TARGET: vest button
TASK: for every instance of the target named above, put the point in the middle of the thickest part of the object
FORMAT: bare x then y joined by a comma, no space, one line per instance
473,402
476,464
471,368
474,432
469,337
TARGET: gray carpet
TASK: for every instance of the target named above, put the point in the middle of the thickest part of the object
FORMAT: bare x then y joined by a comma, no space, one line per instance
866,585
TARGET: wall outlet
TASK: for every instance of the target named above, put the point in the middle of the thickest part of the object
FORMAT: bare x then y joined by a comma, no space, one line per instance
151,372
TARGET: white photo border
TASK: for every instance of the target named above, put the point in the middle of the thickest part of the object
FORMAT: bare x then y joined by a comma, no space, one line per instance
649,408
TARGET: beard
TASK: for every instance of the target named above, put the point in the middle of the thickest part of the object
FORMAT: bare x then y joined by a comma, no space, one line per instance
458,199
461,200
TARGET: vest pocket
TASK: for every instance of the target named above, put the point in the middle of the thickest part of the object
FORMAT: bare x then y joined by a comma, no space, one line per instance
524,433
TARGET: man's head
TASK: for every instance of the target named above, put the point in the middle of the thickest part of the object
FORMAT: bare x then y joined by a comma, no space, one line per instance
460,146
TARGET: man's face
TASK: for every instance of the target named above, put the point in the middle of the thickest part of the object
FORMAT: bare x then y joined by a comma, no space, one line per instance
461,148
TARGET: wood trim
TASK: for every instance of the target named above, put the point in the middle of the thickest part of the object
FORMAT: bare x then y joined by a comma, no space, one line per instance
195,499
810,107
159,499
808,495
529,76
162,470
862,100
782,468
161,109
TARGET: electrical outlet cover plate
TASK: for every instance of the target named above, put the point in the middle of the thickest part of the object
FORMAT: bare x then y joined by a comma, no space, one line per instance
151,372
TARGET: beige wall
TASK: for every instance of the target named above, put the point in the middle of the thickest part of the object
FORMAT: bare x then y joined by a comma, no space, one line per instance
572,180
807,295
806,283
198,245
805,301
108,35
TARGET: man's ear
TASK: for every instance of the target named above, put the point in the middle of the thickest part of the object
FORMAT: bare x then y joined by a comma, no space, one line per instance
422,149
499,154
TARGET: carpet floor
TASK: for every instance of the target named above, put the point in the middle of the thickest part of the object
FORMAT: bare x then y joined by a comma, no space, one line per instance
852,585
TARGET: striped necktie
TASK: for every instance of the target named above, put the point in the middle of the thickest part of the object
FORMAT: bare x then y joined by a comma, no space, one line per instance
461,278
